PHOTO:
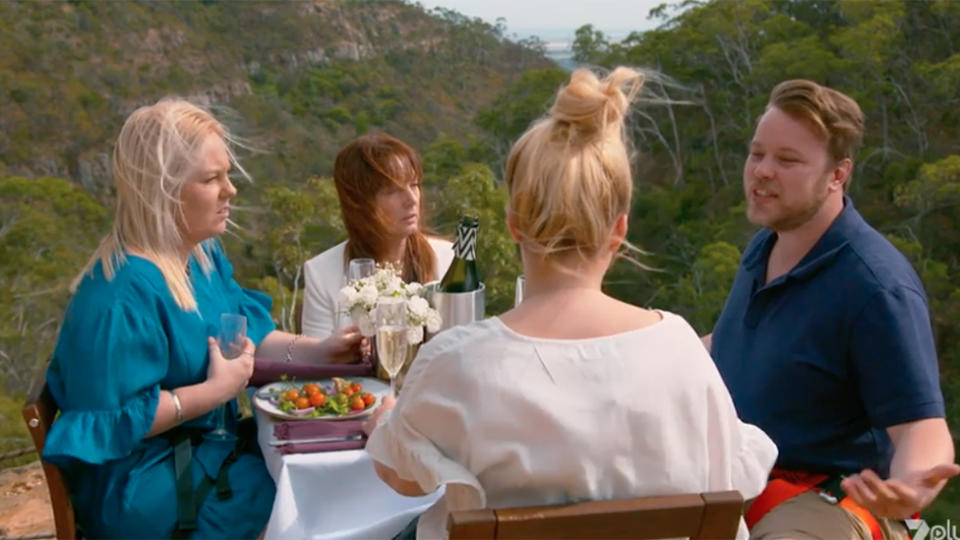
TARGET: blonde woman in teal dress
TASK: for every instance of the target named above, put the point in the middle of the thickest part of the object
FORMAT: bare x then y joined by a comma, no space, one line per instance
136,371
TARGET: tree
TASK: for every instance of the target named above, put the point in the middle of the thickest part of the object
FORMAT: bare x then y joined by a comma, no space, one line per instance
48,229
589,45
296,225
475,192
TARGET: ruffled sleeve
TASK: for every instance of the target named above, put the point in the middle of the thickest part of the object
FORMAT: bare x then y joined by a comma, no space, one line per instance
105,376
419,439
254,305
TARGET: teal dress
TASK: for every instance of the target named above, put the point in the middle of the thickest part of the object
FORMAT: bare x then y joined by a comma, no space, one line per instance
122,342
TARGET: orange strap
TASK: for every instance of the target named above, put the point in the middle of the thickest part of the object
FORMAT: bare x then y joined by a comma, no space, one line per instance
864,515
785,485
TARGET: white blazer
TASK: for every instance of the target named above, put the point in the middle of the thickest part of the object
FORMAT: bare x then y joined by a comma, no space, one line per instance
324,275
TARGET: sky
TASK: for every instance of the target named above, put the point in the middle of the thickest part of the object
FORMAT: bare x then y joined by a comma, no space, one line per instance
615,18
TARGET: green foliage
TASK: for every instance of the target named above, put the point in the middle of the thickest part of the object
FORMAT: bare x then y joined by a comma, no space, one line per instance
700,293
589,44
48,227
475,192
297,225
525,100
936,187
13,430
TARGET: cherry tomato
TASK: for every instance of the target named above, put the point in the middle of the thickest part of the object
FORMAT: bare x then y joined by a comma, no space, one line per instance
302,403
357,403
348,391
317,399
291,395
310,389
369,399
356,387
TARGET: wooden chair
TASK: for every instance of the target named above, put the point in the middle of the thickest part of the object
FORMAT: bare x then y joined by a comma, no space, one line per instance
713,515
39,413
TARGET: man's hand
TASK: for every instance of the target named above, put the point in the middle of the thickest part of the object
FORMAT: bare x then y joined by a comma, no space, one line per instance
898,498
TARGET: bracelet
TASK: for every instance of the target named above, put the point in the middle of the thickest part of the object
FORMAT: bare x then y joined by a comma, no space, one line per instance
289,357
177,405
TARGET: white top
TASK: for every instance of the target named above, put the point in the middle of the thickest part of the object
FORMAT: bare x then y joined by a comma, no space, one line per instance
324,275
507,420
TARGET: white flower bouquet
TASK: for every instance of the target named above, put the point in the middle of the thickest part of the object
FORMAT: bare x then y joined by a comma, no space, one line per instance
360,299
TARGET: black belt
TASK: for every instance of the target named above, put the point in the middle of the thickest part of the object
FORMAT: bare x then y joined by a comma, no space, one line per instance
189,500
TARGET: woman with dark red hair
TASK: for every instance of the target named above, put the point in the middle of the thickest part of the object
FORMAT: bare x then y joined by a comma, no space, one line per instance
378,184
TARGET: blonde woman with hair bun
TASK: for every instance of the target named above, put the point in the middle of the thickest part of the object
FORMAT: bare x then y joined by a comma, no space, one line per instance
573,395
136,372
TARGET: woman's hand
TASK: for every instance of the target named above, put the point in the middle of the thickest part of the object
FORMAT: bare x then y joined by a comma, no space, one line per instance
386,404
898,498
229,377
343,346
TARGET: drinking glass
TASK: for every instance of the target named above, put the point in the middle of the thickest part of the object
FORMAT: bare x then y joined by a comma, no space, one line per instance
230,339
519,289
341,316
392,336
360,268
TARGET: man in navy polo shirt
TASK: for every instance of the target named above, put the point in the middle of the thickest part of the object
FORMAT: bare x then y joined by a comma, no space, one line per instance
825,339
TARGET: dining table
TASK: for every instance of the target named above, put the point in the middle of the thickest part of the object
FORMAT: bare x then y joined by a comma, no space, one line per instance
332,494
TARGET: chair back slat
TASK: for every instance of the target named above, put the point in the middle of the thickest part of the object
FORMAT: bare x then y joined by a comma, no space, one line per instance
696,516
472,525
720,509
39,414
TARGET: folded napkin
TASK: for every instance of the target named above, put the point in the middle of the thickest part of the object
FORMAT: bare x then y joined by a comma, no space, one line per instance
266,371
346,435
329,446
316,429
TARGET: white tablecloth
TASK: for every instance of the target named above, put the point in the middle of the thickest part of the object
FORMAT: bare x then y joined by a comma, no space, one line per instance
332,495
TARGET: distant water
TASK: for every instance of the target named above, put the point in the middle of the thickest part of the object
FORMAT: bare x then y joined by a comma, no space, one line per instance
561,52
559,43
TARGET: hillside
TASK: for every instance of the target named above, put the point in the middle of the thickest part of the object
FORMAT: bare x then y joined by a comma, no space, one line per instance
295,80
303,77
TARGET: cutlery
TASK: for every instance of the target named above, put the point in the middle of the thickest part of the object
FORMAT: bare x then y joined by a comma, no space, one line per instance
278,442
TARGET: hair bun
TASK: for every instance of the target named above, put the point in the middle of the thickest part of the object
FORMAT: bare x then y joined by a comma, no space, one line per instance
591,106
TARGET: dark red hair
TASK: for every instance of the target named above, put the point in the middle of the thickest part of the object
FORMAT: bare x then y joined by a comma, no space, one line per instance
364,167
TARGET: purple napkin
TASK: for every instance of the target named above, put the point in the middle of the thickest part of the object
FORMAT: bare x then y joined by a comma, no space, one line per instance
331,446
315,429
266,371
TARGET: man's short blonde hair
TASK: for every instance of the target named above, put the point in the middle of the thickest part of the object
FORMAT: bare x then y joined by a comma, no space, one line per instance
834,114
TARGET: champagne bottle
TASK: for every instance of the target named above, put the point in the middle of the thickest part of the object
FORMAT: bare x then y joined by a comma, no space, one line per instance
462,276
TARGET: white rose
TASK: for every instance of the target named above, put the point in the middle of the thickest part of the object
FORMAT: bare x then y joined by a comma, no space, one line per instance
418,307
383,277
413,289
348,297
433,321
368,295
393,286
414,335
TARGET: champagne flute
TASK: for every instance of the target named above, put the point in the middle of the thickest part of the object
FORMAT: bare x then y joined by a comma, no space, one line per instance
341,316
360,268
392,336
233,331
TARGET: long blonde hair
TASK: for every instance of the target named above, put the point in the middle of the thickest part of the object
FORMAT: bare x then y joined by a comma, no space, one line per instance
569,175
158,147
